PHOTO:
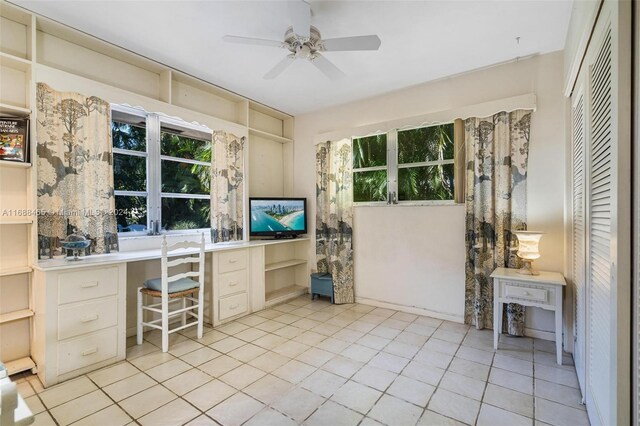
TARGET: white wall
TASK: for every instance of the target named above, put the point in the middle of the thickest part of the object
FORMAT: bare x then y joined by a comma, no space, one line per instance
583,17
414,256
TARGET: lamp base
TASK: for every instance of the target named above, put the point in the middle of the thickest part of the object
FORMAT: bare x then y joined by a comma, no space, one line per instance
527,269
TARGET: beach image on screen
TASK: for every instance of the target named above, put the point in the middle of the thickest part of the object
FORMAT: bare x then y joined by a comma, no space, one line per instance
277,215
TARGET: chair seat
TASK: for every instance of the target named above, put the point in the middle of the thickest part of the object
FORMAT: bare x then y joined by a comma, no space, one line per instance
177,286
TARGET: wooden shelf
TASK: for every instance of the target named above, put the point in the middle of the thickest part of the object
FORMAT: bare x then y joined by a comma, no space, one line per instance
271,136
20,365
14,164
15,315
15,62
16,222
15,271
286,293
285,264
13,110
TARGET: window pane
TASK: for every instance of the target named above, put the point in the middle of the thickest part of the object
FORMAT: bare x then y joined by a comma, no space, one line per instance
425,144
132,213
426,183
370,151
129,173
185,178
370,186
174,145
128,136
185,213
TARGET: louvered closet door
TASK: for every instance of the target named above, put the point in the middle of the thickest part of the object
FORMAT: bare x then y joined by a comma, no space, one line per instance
578,226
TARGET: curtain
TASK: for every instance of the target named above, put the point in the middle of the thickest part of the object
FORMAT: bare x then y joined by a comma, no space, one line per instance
497,150
75,170
227,184
334,216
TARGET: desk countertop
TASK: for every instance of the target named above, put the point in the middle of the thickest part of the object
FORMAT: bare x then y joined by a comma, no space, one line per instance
544,277
139,255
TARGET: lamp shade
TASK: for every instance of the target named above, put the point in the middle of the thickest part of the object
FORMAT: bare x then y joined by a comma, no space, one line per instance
528,242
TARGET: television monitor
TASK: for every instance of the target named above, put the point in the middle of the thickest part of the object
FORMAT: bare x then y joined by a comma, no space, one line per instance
277,217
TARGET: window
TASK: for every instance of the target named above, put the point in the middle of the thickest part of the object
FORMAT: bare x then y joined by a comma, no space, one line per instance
162,172
412,165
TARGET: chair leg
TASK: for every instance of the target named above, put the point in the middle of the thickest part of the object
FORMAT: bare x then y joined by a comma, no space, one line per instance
184,313
165,324
200,313
140,318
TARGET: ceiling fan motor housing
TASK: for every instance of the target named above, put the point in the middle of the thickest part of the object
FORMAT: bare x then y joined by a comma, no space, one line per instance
302,47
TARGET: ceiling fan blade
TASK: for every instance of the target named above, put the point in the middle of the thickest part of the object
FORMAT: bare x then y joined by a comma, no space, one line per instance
300,12
253,41
327,68
280,66
368,42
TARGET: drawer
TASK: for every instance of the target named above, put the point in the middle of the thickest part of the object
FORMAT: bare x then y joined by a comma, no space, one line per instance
234,260
232,282
87,284
74,320
90,349
515,291
232,306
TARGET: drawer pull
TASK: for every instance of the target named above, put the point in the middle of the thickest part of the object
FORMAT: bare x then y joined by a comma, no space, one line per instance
90,351
234,307
89,284
526,293
90,318
233,260
234,283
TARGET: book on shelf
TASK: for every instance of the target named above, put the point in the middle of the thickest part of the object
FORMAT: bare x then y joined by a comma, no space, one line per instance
14,139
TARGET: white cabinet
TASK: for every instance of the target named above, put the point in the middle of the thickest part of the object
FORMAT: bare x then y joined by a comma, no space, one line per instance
80,320
231,285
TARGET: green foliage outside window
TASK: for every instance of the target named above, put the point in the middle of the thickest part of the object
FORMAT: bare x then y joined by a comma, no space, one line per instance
370,185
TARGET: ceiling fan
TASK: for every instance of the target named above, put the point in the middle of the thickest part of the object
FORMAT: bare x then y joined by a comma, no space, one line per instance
305,42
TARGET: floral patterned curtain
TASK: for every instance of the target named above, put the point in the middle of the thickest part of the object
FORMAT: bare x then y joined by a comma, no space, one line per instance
497,149
227,184
334,216
75,170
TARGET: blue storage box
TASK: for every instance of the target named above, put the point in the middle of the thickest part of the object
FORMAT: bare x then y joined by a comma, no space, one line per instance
321,285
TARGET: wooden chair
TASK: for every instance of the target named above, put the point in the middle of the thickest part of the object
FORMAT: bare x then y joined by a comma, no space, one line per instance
174,288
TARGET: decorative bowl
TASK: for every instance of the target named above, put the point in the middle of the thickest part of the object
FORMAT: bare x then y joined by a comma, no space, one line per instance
75,243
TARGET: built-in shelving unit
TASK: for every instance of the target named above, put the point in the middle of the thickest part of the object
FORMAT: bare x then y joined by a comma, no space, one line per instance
16,164
286,271
284,264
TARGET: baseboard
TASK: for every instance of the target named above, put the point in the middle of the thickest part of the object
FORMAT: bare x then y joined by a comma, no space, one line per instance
411,309
540,334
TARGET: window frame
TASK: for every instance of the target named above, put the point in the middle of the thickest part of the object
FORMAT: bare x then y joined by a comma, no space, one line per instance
393,166
153,154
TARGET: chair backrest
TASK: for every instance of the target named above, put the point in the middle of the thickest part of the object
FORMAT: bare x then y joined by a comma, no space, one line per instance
179,257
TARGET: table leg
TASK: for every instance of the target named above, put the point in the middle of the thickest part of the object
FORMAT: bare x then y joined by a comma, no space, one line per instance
559,326
497,316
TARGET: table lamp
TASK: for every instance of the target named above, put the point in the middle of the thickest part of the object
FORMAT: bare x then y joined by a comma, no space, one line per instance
528,242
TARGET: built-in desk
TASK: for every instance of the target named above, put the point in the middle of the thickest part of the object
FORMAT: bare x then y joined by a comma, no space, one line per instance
80,321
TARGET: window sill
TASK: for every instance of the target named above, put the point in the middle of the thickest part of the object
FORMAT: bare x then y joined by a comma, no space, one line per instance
124,236
410,204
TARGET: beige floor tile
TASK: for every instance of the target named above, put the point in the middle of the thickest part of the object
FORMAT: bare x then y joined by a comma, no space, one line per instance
373,342
374,377
448,336
348,335
269,326
43,419
35,405
383,312
129,386
287,318
192,332
412,391
303,312
146,401
359,353
494,416
513,364
209,394
212,337
202,420
372,319
220,365
269,361
177,412
411,338
401,349
395,324
270,417
187,381
110,416
305,323
345,367
291,349
250,334
471,369
310,338
508,399
200,356
268,388
431,357
184,348
247,352
403,316
232,328
252,320
288,332
559,393
463,385
440,345
511,380
323,383
235,410
315,357
421,329
455,406
386,332
430,418
151,360
390,410
388,362
242,376
475,355
556,375
78,408
269,341
557,414
137,351
67,391
113,373
294,371
333,345
361,326
356,396
425,373
454,327
168,370
269,313
227,345
298,403
332,414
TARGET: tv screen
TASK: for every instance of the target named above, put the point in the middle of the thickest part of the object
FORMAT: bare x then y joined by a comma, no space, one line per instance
278,216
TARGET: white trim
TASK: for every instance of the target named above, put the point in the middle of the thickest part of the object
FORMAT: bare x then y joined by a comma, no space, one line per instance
484,109
411,309
540,334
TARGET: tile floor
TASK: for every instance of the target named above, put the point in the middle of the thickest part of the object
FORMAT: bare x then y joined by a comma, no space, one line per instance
318,364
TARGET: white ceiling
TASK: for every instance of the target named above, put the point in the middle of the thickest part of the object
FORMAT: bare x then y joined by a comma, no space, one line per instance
421,40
